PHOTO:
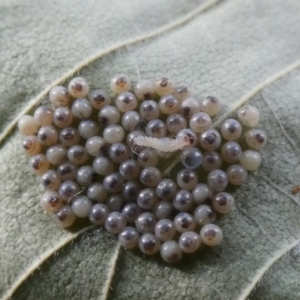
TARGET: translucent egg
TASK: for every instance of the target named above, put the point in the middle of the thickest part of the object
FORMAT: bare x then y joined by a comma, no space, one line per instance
200,122
231,152
120,83
204,214
256,139
56,154
191,158
31,145
129,238
211,105
62,117
78,87
65,217
81,108
248,115
211,235
51,201
237,175
149,110
175,123
109,115
113,134
223,202
144,90
126,102
98,99
59,96
164,86
47,135
210,139
250,160
170,252
44,115
28,125
182,92
168,105
39,164
231,129
190,107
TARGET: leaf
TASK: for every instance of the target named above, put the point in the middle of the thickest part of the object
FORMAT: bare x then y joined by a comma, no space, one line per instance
239,50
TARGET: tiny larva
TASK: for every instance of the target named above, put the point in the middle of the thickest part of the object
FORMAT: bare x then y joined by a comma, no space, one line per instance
98,154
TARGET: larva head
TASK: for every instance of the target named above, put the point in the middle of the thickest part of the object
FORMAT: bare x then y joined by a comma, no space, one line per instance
188,137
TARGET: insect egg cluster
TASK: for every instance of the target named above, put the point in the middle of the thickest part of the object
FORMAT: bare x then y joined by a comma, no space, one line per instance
102,157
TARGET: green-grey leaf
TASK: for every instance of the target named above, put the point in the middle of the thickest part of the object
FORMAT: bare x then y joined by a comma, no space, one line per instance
239,50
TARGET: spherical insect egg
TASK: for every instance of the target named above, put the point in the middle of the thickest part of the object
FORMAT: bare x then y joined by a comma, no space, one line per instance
56,154
131,190
182,92
50,180
210,139
77,155
130,140
191,158
210,105
150,176
98,214
200,122
31,145
165,230
237,175
78,87
156,128
184,222
113,134
69,136
168,105
118,152
96,192
149,110
231,129
164,86
231,152
250,160
211,235
189,242
223,202
65,217
115,222
190,107
144,90
120,83
113,183
96,146
204,214
88,128
148,158
67,171
149,244
44,115
189,136
248,115
129,238
114,202
81,206
62,117
131,212
145,223
256,139
103,165
51,201
211,161
129,169
68,189
99,99
28,125
39,164
85,176
163,210
187,179
109,115
183,200
47,135
166,189
202,194
81,108
147,199
59,96
131,120
175,123
217,180
170,252
126,102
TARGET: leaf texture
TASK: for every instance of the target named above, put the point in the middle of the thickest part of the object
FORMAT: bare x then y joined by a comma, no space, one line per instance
238,50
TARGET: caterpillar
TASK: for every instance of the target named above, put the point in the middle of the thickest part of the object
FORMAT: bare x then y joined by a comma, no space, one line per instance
162,144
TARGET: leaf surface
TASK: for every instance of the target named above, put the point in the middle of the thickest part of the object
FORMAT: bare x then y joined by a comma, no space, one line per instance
238,50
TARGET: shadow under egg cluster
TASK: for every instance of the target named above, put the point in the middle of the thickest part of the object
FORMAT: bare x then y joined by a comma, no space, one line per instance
110,161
